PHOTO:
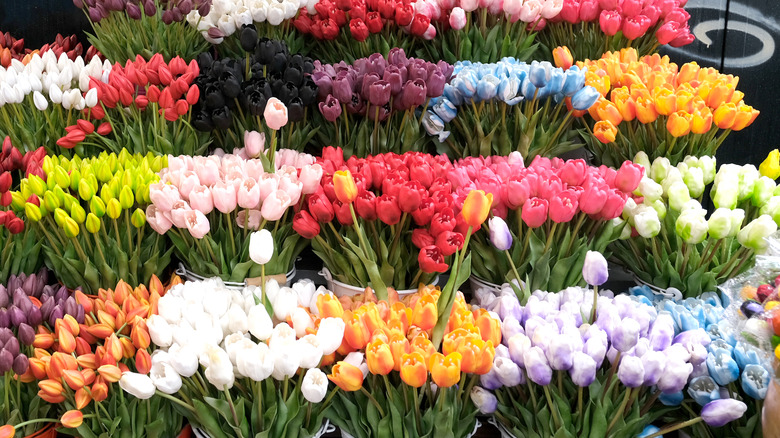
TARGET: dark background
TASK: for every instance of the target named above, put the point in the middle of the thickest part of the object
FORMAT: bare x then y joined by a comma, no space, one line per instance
736,37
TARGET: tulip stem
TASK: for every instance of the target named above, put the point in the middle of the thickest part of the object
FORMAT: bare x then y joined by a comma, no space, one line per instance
413,284
230,232
463,251
595,304
233,411
376,403
553,408
674,427
579,406
608,385
175,400
619,412
417,411
514,268
646,408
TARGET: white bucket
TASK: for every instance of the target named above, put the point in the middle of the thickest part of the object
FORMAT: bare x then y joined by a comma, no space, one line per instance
282,279
346,434
325,429
477,283
344,290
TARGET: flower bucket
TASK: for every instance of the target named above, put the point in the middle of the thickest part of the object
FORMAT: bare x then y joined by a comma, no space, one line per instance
501,429
770,419
325,429
47,431
282,279
476,283
345,290
671,293
346,434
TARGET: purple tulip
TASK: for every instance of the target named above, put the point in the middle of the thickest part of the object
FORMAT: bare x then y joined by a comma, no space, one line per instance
356,105
34,317
17,316
56,314
330,109
80,315
490,381
4,298
14,282
12,346
61,294
500,236
185,7
204,8
720,412
47,306
6,361
78,3
484,400
20,364
631,371
365,87
507,306
594,270
343,89
661,332
583,370
596,348
655,364
688,337
436,82
43,276
94,15
133,11
518,345
376,63
508,372
324,83
32,285
675,375
150,9
536,366
560,353
625,335
392,75
5,334
445,68
26,334
397,56
71,306
5,319
22,301
413,93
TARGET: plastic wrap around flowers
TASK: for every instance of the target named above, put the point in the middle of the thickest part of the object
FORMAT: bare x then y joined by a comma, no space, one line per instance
615,367
509,106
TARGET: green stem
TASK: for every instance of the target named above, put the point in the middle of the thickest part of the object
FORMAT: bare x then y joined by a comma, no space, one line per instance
553,408
619,412
674,427
373,400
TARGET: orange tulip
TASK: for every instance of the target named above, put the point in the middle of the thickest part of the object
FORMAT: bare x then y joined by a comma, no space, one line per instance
43,340
679,124
143,361
99,390
645,110
665,101
73,378
51,387
347,376
702,121
401,315
476,207
111,373
688,73
355,332
746,114
84,300
719,94
413,369
37,367
423,345
562,57
371,318
425,313
605,131
114,347
48,398
399,346
684,100
66,341
489,327
140,334
379,357
100,331
607,110
87,361
329,306
7,431
82,398
72,419
89,376
128,350
445,370
344,185
82,346
624,103
725,115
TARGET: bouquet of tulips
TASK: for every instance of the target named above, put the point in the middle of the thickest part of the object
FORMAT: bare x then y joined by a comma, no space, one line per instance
486,31
602,26
39,98
210,207
393,348
495,109
387,208
730,363
13,49
265,88
27,306
123,29
659,109
78,362
545,216
89,215
383,95
239,374
676,244
617,357
150,104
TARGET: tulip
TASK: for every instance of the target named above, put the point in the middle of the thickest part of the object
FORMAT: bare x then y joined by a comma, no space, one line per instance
605,131
720,412
330,334
261,246
275,114
508,373
72,419
256,362
754,234
348,377
562,57
138,385
631,372
344,186
594,270
476,207
457,18
414,371
534,212
500,236
379,357
484,400
770,167
315,385
219,372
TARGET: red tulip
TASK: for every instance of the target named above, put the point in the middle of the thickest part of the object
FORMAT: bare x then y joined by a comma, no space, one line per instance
420,24
431,259
404,13
320,208
358,29
449,242
422,238
443,221
343,213
374,22
423,215
387,209
410,196
305,225
365,205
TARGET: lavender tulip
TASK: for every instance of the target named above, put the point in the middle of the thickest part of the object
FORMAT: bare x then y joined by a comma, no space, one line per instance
583,370
661,332
508,372
5,334
720,412
47,307
509,328
596,348
703,390
675,375
518,345
536,366
490,381
625,335
56,314
631,371
560,353
484,400
655,364
500,236
594,270
12,346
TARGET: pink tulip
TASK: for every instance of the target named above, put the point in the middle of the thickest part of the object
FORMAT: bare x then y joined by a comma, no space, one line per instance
157,220
275,205
628,176
254,219
534,212
254,169
517,192
275,114
563,206
196,223
163,196
589,10
573,172
188,181
570,11
636,26
496,7
207,171
178,212
224,196
201,200
593,198
469,5
447,4
179,163
254,143
292,187
530,11
248,194
613,207
458,16
609,4
268,184
610,21
310,177
429,33
631,8
551,8
485,3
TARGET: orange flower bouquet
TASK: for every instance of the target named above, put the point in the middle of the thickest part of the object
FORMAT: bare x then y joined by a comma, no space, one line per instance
654,106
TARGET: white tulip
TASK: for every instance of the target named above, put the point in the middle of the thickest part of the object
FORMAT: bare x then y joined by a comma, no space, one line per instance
282,337
290,9
219,371
138,385
331,334
226,25
236,342
305,289
313,302
301,320
169,307
646,221
159,330
238,321
217,302
40,102
650,189
286,362
275,13
183,359
285,302
260,324
256,363
748,175
165,378
310,351
257,8
719,223
91,98
261,246
242,16
315,385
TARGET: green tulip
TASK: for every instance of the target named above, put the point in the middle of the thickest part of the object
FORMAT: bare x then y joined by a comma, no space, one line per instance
77,213
97,206
51,201
102,172
33,212
24,188
113,208
61,177
112,162
36,184
75,179
126,197
93,223
124,156
68,201
106,194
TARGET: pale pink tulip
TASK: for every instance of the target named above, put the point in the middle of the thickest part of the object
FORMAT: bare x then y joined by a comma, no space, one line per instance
430,33
496,7
310,178
530,11
302,159
196,223
275,114
551,8
458,18
163,196
254,143
188,181
224,196
241,153
268,184
218,152
201,200
485,3
292,187
447,4
157,220
180,163
275,205
285,157
248,194
254,219
178,212
254,169
469,5
207,170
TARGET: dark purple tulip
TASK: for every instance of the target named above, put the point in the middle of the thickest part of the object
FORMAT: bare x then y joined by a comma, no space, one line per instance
78,3
47,307
12,346
48,291
71,306
185,7
167,17
43,276
30,284
6,361
397,56
133,11
330,109
368,79
379,93
80,315
356,105
94,15
436,82
61,295
4,298
90,3
413,94
56,314
204,8
5,319
324,83
114,5
17,316
215,33
343,89
20,364
2,344
5,334
22,301
25,334
34,316
149,8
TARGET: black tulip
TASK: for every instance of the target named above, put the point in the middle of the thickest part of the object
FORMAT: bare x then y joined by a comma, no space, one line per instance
278,63
308,92
288,92
221,118
231,86
308,66
248,37
214,97
256,102
293,74
295,110
201,120
26,334
205,60
277,84
296,60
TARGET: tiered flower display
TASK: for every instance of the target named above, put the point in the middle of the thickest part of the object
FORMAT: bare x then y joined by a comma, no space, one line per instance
123,29
495,109
545,217
370,106
91,215
676,243
651,105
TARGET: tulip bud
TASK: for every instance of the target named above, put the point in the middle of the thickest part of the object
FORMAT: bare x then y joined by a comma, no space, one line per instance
763,189
36,184
754,234
32,211
70,227
113,208
77,213
126,197
138,219
691,227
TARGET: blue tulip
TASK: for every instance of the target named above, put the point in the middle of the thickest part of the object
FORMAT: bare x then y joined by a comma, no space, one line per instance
557,78
703,390
755,381
712,314
466,82
688,322
452,94
508,90
745,355
673,399
487,87
435,126
719,343
723,368
585,98
503,70
649,430
711,298
574,81
528,89
539,73
445,109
